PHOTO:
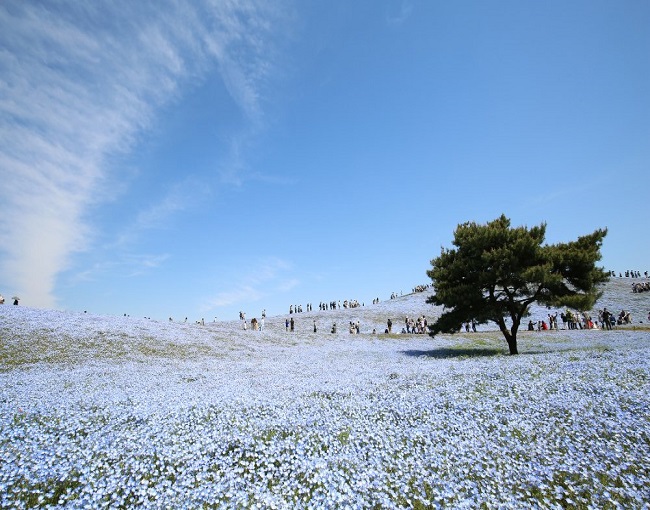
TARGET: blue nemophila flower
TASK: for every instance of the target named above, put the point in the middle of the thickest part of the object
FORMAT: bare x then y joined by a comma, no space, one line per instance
168,415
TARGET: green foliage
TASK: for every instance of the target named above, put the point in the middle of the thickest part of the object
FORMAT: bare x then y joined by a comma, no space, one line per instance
496,272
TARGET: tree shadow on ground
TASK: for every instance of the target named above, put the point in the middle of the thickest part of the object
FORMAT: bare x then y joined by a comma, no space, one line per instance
446,353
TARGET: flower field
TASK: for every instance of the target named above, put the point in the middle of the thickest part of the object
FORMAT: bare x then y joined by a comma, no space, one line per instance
117,412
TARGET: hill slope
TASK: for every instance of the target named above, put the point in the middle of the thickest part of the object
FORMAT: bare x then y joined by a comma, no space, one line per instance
617,296
123,412
31,335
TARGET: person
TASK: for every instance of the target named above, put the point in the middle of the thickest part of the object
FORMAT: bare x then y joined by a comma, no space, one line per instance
292,324
314,325
2,300
16,301
607,319
390,325
334,328
286,324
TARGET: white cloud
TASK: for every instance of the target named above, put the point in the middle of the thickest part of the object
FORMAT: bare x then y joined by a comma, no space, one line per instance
243,294
398,12
287,285
143,263
78,83
268,274
128,265
179,197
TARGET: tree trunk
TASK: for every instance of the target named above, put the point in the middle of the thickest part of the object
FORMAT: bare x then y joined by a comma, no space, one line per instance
512,343
510,336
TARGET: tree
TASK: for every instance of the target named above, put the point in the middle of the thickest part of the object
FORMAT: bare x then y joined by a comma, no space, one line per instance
496,272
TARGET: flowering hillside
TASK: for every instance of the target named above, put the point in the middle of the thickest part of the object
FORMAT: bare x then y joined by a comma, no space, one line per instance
122,412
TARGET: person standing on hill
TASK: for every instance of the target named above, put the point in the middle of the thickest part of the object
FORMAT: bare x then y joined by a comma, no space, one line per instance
607,319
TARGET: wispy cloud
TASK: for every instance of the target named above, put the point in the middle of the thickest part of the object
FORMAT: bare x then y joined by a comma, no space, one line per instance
78,83
146,262
398,11
268,275
242,294
128,265
181,196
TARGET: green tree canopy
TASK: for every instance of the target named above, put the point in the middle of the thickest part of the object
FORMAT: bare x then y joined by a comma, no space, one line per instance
496,272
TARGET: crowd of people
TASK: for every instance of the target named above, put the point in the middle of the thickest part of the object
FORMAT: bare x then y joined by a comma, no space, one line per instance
570,319
629,274
411,326
608,320
351,303
417,326
332,305
582,320
641,287
354,328
417,288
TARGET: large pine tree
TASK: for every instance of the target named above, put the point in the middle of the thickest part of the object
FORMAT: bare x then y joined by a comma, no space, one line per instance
496,272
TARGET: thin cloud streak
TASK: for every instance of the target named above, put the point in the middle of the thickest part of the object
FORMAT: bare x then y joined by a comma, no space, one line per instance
78,86
129,266
242,294
180,197
268,274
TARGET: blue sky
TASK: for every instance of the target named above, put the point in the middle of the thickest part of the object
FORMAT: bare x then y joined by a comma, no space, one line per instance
195,159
